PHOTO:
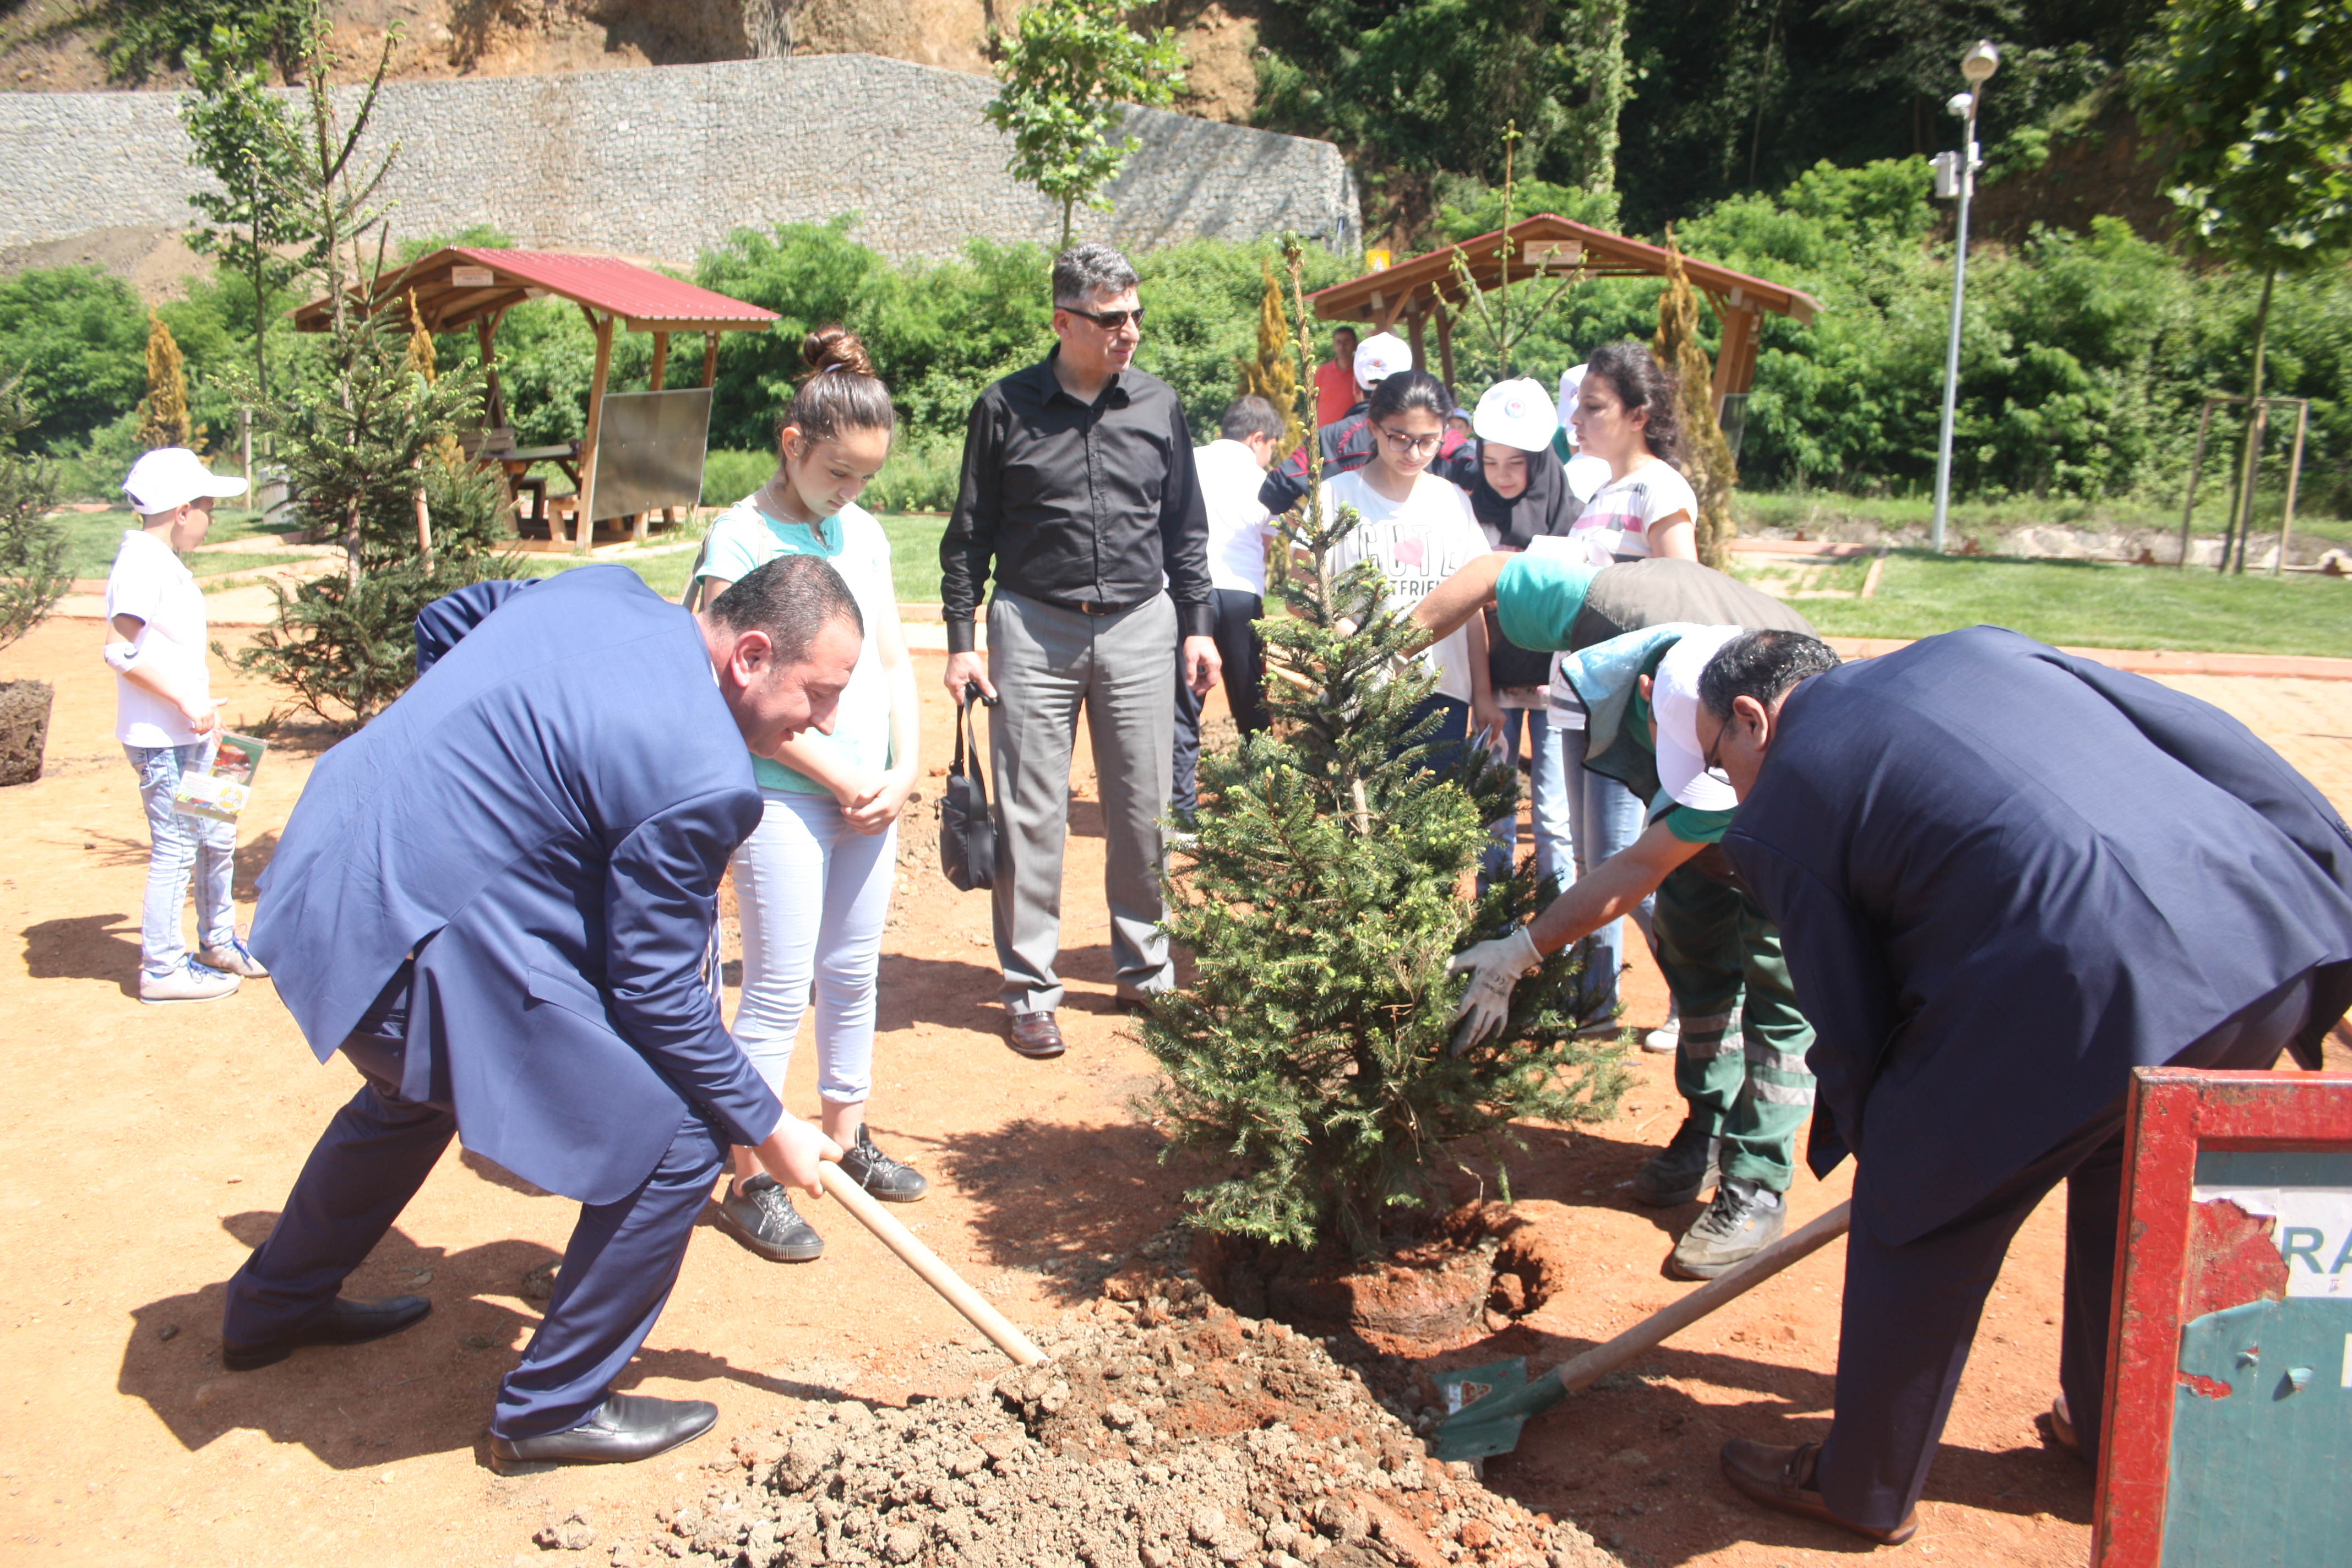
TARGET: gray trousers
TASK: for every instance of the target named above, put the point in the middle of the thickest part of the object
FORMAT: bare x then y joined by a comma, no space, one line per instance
1047,663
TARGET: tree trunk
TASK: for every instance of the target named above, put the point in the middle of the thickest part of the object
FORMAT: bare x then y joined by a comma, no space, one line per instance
2255,421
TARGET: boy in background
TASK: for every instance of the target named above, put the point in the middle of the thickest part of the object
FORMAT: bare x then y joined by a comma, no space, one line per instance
165,717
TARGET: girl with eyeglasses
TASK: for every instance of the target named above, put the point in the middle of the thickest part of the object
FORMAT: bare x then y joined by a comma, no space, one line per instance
1420,530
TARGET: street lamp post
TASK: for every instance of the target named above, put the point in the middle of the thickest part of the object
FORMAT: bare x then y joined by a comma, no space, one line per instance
1956,174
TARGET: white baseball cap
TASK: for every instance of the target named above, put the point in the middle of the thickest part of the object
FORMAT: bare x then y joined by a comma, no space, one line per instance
172,477
1516,414
1381,356
1571,382
1673,702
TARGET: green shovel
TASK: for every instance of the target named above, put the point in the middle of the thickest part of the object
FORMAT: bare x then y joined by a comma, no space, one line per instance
1491,1403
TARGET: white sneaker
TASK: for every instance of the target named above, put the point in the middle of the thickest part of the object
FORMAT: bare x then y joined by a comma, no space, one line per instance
1664,1040
235,959
192,981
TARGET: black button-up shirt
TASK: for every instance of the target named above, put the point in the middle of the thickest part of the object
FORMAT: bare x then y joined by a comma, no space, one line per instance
1084,506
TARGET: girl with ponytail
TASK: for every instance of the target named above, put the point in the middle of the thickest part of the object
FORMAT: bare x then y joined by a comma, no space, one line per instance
812,882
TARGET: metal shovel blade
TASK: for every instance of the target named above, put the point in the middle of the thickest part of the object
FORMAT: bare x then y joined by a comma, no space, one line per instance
1489,1403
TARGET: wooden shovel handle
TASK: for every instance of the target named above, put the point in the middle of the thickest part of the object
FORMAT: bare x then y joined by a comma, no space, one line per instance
1599,1361
925,1262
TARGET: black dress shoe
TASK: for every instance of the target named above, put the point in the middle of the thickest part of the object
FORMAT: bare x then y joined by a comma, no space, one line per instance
347,1320
1035,1036
1784,1479
624,1429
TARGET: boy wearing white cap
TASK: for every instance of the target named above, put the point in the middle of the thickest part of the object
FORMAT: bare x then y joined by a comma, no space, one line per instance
1741,1067
165,717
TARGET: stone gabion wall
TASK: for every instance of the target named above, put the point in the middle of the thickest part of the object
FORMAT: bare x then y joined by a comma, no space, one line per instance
664,162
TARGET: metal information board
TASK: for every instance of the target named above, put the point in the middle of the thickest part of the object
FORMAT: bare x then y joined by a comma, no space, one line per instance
649,451
2230,1386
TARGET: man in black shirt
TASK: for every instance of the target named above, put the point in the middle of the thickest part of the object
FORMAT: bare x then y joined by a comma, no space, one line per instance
1079,494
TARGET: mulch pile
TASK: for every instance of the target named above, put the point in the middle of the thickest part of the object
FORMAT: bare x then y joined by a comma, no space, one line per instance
1163,1432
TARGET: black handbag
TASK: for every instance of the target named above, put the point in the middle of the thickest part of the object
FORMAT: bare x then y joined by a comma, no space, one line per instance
967,833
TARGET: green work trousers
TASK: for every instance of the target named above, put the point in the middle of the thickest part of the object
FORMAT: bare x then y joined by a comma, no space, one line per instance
1741,1063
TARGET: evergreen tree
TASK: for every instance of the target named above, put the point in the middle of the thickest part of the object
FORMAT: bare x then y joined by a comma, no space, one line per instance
1322,901
163,412
1707,459
33,572
362,442
1271,374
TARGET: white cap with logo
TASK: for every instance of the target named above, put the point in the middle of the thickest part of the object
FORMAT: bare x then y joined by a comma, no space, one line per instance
171,477
1673,702
1381,356
1516,414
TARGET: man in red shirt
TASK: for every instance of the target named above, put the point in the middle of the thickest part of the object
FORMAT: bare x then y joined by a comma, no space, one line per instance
1335,381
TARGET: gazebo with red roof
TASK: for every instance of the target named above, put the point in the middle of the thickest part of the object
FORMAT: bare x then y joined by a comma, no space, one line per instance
475,286
1427,287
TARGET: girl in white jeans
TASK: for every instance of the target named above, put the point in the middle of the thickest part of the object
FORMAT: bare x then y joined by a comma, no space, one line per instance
812,882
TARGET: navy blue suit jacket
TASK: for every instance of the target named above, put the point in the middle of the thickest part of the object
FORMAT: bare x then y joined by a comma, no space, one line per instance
2005,877
544,820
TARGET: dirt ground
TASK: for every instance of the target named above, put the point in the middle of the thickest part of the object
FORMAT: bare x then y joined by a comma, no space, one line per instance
147,1149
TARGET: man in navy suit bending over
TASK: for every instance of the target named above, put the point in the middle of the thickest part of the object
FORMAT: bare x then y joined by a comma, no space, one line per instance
497,900
2005,878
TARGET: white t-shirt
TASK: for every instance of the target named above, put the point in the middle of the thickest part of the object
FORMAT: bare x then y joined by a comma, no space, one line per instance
1419,544
152,583
1615,523
1230,478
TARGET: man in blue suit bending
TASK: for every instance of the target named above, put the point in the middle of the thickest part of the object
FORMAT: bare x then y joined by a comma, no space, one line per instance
2005,878
497,900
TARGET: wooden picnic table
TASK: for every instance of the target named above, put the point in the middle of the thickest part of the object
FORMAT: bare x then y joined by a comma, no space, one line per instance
518,461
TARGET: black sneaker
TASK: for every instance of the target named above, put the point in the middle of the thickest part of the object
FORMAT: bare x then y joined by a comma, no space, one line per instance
892,1181
1679,1172
765,1222
1744,1219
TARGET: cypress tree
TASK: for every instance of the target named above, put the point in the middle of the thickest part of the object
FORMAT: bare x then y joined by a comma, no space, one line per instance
163,412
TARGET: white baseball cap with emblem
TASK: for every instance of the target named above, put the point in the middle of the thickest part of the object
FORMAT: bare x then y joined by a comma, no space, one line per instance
171,477
1381,356
1673,702
1516,414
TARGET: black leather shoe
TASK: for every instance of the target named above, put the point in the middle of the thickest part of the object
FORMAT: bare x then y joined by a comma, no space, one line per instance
1784,1479
764,1220
892,1181
347,1320
624,1429
1035,1036
1679,1172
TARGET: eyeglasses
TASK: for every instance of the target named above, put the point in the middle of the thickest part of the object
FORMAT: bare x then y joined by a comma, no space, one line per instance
1405,446
1710,760
1109,321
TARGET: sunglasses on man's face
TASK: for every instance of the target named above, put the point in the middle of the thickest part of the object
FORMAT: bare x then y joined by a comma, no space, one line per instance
1109,321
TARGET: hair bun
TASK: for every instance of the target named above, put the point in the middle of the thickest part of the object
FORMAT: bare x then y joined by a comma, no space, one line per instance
835,347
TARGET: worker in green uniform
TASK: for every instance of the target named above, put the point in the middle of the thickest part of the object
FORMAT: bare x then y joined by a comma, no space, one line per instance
1740,1067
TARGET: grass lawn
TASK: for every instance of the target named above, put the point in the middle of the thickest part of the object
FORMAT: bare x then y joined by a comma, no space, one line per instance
914,559
2089,604
93,537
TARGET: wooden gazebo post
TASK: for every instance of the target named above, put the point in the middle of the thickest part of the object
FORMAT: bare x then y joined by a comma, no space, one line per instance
584,527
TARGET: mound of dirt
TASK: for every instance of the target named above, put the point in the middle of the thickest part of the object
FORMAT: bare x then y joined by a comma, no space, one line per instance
1167,1433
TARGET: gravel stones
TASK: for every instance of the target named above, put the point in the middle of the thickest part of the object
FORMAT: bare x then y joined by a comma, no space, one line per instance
1165,1434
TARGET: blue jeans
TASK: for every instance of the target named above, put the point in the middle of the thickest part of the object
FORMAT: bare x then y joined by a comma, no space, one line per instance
1548,803
1603,816
180,844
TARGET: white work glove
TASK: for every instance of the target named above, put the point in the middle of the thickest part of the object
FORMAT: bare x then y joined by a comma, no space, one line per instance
1494,967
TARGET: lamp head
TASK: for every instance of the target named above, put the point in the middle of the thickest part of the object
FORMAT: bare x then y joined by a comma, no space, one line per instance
1959,104
1981,60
